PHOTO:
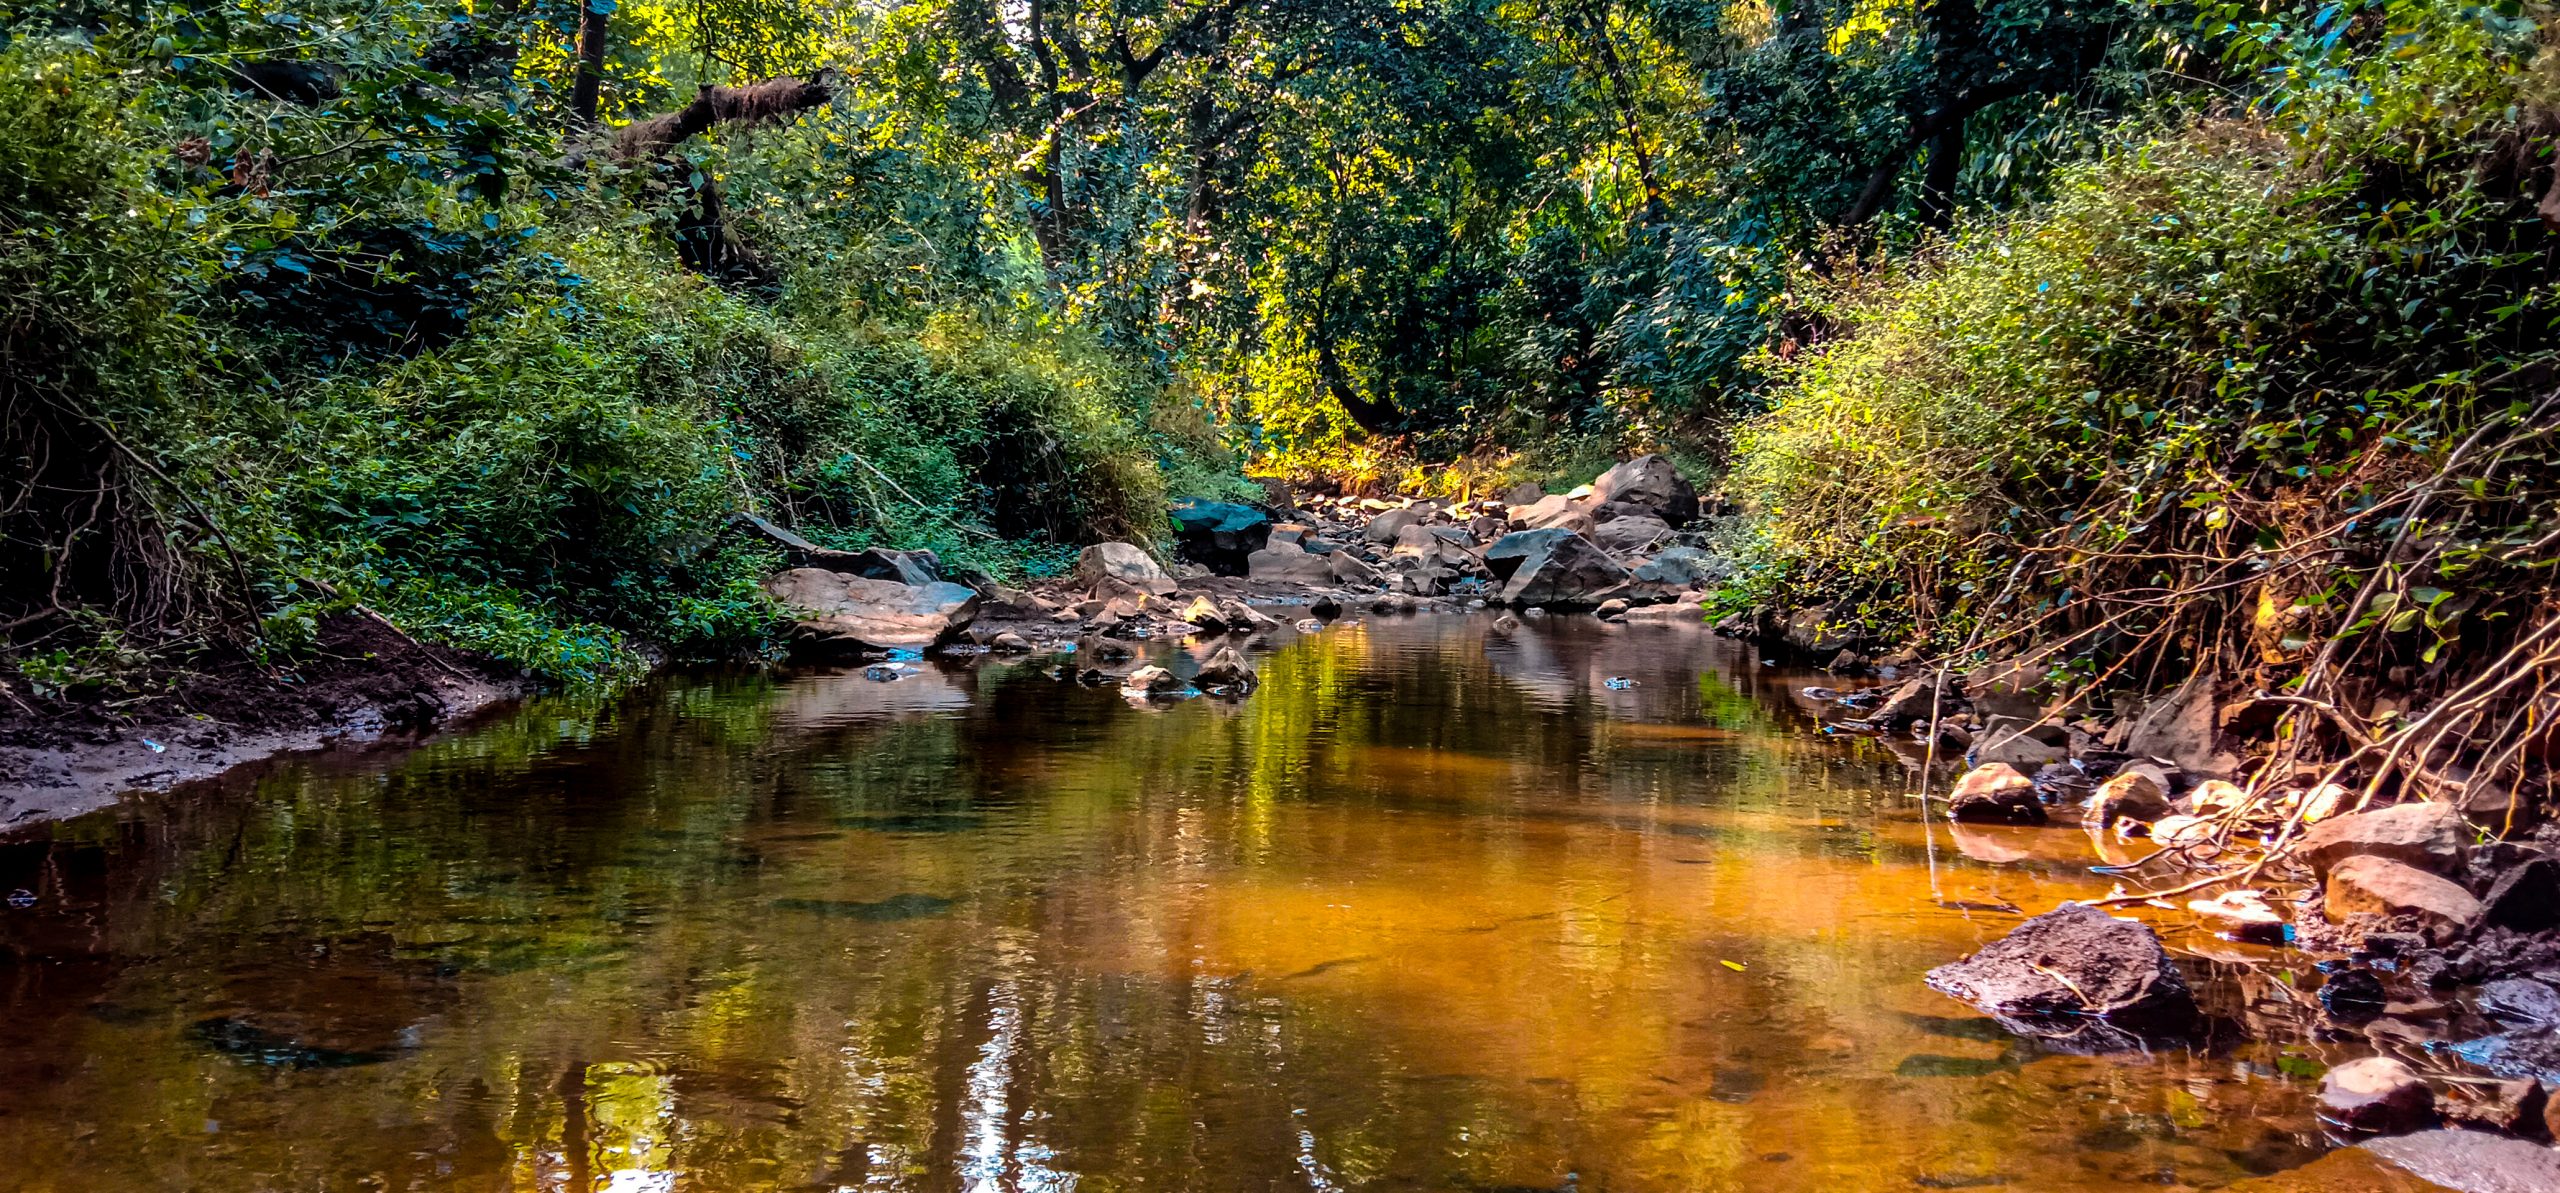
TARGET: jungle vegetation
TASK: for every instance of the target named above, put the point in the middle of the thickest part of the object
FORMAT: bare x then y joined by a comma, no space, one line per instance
483,316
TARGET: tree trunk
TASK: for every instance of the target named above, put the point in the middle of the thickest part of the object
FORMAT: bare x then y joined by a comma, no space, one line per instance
1938,183
586,95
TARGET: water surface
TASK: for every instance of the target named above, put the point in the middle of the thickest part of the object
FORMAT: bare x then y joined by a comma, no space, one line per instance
1433,910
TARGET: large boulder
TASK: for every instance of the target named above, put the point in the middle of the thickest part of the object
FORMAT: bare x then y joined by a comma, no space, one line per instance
1651,482
1123,564
1812,631
2384,887
2052,974
1289,563
2427,835
837,613
1553,568
1219,535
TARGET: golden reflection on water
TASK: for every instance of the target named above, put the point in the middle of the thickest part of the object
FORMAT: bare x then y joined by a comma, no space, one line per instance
1432,910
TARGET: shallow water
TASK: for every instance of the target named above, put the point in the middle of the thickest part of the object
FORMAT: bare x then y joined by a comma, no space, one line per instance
1433,910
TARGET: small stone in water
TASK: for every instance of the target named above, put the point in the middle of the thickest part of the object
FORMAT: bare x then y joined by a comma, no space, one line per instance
1617,683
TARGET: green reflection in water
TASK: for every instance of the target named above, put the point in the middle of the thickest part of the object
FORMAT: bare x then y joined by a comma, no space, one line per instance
1429,911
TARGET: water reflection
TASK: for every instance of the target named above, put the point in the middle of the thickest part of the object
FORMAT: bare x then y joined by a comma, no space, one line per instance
1431,910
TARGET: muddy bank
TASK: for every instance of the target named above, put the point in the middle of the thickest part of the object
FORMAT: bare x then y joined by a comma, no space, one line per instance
364,682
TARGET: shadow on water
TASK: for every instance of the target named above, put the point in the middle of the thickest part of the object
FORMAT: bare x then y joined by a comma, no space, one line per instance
1431,910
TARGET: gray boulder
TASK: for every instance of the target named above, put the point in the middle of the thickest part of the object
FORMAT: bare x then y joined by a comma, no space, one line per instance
1124,564
1288,563
1651,482
1552,568
1629,536
1683,568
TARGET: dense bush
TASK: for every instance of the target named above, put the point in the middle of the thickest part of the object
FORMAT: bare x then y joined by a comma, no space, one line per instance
275,384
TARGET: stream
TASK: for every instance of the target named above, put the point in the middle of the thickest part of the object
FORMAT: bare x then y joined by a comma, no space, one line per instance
1585,907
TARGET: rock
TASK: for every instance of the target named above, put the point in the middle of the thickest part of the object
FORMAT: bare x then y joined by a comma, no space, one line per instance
2181,830
2526,897
1289,563
2368,883
1551,513
2471,1161
1995,792
2320,803
1385,527
1506,625
2128,794
2426,835
1350,569
2376,1095
1219,535
1549,568
2073,962
1152,681
2518,1107
1009,642
1630,536
1227,672
1242,618
1524,493
880,563
1651,482
2018,743
2241,915
2531,1052
2519,1002
2179,728
1919,698
2214,797
1124,564
1684,568
1614,607
839,613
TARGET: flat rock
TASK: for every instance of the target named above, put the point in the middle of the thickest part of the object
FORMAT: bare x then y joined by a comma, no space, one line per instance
2533,1052
2019,743
2472,1161
2426,835
2381,886
2376,1094
2072,963
1548,513
840,613
1995,793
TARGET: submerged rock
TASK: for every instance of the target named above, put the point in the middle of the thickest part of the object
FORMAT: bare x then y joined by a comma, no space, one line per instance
841,613
2052,974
